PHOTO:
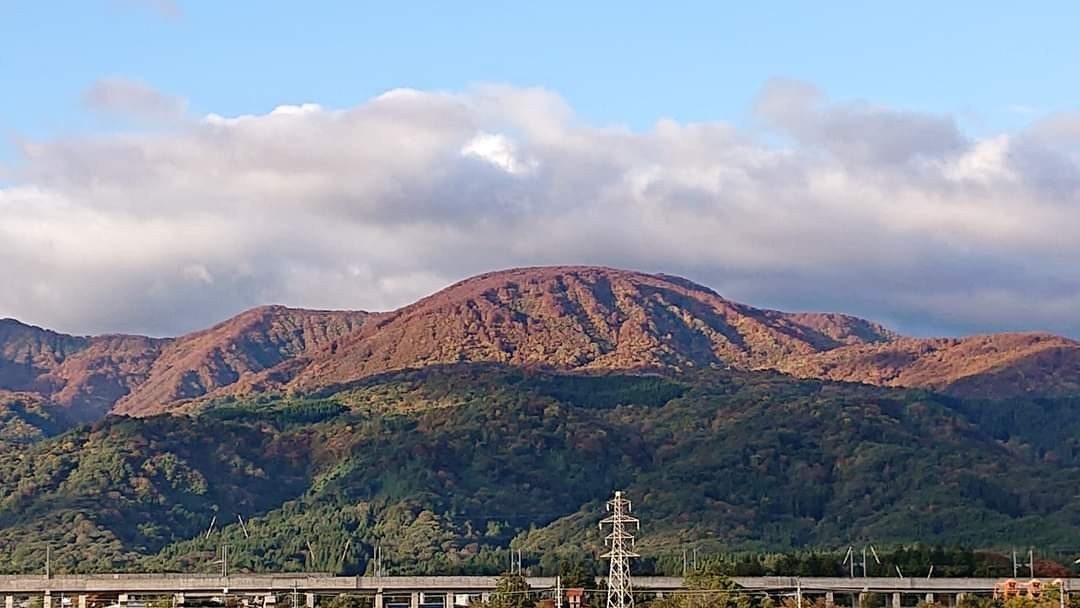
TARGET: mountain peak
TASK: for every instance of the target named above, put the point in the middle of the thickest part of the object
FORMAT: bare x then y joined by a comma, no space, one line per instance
563,317
583,317
546,274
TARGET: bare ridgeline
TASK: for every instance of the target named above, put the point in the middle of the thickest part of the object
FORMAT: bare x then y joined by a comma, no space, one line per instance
620,589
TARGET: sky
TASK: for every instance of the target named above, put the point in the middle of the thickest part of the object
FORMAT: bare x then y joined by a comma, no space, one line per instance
166,164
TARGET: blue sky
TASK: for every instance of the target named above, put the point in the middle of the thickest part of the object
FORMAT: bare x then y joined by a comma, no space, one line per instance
990,63
916,163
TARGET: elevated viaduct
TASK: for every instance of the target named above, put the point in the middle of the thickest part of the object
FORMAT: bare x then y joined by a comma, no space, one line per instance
81,591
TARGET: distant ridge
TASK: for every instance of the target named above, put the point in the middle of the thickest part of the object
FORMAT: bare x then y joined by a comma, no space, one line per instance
569,317
991,365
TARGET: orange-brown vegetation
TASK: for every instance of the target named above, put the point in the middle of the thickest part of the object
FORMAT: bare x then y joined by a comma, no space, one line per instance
576,318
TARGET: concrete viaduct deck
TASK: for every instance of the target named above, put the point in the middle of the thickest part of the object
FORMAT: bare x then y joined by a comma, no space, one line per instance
445,591
879,584
254,583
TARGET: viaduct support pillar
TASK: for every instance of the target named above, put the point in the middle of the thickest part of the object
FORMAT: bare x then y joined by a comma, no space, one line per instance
448,600
122,599
82,600
178,600
9,601
309,600
379,599
896,600
830,599
414,599
929,598
46,601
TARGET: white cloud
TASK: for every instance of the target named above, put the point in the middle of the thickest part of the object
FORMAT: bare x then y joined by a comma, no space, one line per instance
499,151
890,214
132,99
857,132
198,272
986,161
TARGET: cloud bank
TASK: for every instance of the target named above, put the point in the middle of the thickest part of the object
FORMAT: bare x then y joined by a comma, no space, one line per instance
894,215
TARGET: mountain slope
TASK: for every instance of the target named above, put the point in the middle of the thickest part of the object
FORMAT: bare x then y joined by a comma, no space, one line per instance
446,466
246,349
123,488
83,378
26,352
583,318
569,318
1000,364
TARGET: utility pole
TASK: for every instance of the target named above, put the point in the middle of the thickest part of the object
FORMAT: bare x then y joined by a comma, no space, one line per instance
1031,563
344,552
1015,574
873,553
849,559
620,590
377,557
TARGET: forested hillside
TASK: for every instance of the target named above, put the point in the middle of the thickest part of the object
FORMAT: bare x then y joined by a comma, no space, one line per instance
447,466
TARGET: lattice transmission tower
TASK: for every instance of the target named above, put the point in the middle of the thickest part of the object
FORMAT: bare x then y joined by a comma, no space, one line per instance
621,542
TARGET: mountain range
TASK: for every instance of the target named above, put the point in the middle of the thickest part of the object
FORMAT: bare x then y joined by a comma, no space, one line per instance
565,318
502,411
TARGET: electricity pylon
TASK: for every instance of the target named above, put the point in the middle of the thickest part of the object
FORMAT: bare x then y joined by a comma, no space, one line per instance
620,590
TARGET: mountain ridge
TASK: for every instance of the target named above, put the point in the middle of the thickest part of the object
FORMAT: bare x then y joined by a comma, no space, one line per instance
571,318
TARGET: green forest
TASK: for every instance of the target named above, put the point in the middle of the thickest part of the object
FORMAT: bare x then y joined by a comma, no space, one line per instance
447,468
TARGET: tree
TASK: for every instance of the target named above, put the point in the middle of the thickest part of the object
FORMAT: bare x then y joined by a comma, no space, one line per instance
348,601
706,590
807,602
577,574
511,591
